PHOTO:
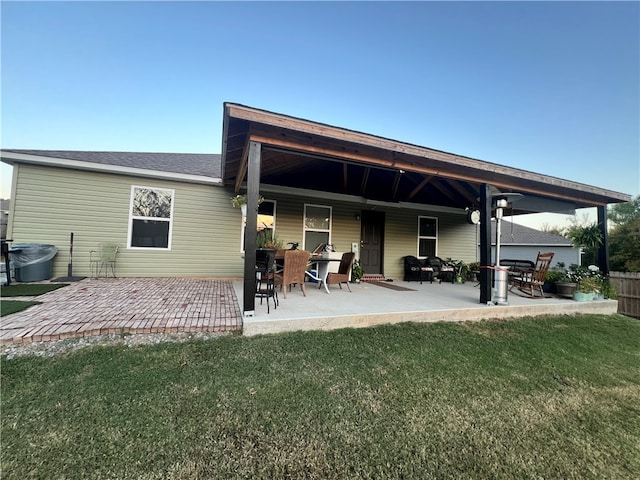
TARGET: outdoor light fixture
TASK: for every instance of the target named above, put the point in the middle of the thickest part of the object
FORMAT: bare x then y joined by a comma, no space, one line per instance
501,275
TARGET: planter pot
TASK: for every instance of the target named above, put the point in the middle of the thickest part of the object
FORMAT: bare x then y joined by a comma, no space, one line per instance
549,287
583,297
566,289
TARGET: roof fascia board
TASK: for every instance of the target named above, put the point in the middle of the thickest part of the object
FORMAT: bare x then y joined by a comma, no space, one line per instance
11,158
355,199
306,126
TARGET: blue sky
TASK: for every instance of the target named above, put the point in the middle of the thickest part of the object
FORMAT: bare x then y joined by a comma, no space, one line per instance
550,87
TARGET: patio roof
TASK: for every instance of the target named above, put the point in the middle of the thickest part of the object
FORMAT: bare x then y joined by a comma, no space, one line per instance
309,155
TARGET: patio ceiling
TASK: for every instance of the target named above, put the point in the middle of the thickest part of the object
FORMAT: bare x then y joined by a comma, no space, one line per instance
308,155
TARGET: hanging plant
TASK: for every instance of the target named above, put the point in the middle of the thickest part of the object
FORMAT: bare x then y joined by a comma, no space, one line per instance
239,200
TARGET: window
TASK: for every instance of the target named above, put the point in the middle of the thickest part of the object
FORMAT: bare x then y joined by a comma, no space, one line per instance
266,220
151,218
317,226
427,236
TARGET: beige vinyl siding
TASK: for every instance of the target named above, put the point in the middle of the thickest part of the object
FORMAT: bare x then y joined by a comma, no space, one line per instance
456,238
52,202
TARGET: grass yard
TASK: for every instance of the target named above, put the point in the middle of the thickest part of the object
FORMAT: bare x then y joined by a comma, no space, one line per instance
7,307
534,398
29,289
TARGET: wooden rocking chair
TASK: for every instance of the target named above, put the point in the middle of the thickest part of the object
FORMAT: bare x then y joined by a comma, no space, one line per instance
529,282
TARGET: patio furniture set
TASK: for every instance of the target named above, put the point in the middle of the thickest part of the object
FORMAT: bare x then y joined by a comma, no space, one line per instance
287,268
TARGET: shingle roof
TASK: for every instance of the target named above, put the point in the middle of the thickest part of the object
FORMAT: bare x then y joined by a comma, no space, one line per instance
206,164
515,234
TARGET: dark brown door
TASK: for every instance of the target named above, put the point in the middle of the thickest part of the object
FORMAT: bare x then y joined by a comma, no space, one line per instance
371,242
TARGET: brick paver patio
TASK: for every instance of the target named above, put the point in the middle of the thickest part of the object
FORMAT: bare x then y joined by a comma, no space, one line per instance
126,305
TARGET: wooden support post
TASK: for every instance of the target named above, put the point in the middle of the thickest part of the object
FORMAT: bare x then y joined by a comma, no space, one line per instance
485,243
603,250
251,232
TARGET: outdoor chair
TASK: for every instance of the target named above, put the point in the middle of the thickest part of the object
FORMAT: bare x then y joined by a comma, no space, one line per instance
529,282
293,271
415,269
342,276
265,276
103,258
441,269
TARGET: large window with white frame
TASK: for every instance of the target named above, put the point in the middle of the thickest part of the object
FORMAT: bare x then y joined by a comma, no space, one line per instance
427,236
266,221
317,225
151,217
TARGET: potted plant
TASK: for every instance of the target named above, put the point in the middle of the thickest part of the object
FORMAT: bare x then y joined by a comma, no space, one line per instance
460,270
554,275
356,272
240,201
587,287
568,282
267,239
474,271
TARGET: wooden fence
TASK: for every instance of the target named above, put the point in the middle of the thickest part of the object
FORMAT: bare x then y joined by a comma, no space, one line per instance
627,284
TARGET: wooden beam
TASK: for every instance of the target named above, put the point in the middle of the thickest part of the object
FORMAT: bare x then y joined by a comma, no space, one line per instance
412,167
242,168
365,179
396,184
327,133
345,183
251,232
420,186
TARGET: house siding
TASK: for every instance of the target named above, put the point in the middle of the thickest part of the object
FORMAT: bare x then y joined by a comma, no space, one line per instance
52,202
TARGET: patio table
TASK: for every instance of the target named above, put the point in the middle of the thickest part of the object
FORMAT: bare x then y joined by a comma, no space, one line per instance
322,270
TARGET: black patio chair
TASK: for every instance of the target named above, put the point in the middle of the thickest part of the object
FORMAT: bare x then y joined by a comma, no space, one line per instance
416,269
265,276
441,269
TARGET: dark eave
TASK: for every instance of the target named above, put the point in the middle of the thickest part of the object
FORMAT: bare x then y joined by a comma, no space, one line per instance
310,155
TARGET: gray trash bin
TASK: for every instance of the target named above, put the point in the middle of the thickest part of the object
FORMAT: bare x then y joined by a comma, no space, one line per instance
32,262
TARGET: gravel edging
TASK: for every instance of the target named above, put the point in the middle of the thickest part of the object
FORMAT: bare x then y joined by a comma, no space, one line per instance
58,347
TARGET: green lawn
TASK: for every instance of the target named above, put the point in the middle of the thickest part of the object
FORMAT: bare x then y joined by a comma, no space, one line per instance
8,307
29,289
551,398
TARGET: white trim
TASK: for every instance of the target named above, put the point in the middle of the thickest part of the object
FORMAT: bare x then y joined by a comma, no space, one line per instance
132,218
304,223
106,168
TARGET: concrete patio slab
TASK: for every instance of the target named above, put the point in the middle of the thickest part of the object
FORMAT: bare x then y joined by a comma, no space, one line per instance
370,304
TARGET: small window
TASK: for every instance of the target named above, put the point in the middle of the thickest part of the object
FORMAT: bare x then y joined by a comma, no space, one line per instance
151,218
427,236
266,220
317,226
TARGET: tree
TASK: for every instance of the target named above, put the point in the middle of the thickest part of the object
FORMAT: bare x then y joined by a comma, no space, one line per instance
624,237
589,238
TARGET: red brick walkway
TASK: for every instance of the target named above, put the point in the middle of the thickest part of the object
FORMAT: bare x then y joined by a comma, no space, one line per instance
125,305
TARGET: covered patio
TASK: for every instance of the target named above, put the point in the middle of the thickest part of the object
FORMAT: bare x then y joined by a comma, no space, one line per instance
264,150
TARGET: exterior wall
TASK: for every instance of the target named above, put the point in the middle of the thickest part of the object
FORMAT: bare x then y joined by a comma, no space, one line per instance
456,238
49,203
